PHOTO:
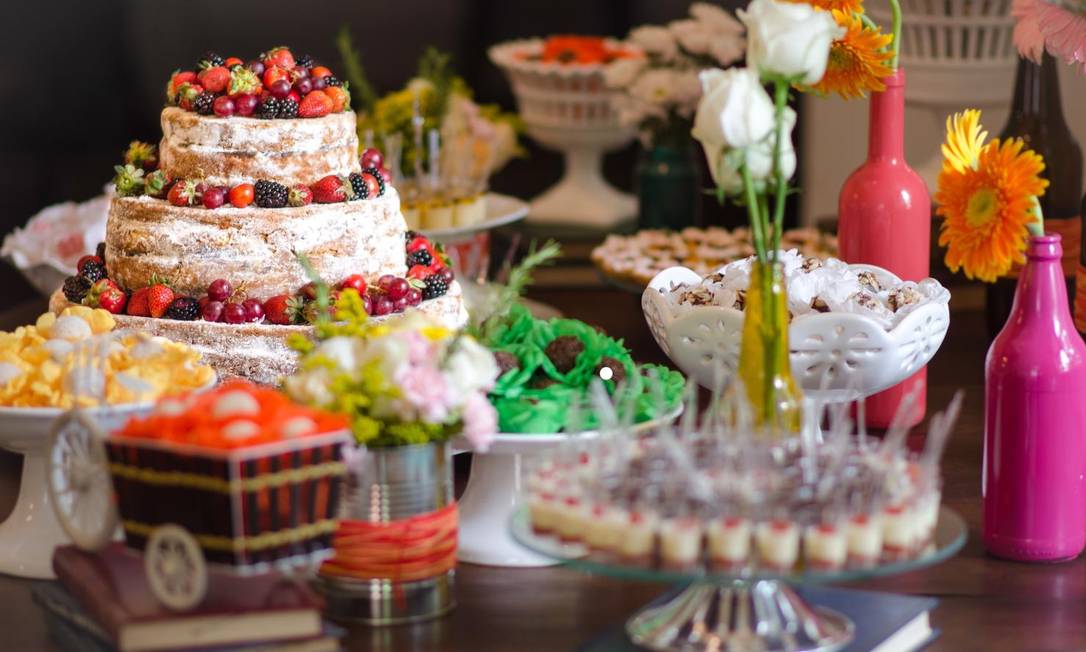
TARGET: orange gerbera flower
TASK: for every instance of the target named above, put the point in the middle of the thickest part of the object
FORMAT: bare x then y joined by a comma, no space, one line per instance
987,207
846,6
858,61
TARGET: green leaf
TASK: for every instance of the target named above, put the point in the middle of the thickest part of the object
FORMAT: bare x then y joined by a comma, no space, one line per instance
355,73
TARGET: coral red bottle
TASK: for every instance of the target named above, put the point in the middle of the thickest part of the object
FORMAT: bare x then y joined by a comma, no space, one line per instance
885,219
1034,481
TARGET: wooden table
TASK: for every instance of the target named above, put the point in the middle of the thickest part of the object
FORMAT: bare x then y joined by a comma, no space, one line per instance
986,604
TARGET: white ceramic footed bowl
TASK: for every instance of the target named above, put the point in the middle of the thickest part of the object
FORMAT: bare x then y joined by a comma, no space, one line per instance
831,353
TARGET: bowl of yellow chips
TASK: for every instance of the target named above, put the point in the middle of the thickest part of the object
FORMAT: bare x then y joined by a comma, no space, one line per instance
74,362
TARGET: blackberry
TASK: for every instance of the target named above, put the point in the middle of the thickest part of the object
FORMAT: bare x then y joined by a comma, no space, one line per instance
93,271
410,235
183,309
75,288
210,60
304,61
267,109
203,103
380,180
288,108
332,80
270,194
435,287
358,184
420,257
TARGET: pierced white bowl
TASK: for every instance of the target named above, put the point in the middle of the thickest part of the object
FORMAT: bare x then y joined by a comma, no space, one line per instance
568,108
835,356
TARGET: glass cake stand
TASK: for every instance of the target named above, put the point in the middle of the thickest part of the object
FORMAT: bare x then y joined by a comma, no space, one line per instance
743,611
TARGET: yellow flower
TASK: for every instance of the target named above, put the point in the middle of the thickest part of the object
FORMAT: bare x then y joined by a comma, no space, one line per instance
987,206
846,6
964,140
858,61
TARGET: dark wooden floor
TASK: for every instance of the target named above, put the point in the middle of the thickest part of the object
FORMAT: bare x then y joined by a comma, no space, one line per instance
986,604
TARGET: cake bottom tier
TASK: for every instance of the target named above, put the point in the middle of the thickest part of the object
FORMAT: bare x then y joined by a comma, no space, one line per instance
258,352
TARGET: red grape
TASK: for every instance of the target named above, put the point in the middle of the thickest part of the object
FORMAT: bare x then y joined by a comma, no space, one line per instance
212,310
397,288
214,197
280,88
254,311
220,290
234,313
245,104
414,297
367,304
399,305
371,158
381,306
223,106
303,86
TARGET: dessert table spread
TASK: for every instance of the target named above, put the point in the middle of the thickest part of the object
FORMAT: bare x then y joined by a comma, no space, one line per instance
984,603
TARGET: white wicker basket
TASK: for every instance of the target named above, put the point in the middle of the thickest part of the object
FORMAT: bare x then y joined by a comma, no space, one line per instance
833,353
567,107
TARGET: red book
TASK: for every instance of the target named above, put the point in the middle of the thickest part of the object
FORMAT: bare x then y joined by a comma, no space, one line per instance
112,588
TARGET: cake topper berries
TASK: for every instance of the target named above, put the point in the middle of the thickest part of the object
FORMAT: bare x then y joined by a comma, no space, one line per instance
275,85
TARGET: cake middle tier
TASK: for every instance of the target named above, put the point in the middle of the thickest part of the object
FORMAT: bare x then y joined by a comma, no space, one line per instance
252,247
229,151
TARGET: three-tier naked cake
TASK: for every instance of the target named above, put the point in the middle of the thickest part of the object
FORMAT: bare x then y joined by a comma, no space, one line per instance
205,236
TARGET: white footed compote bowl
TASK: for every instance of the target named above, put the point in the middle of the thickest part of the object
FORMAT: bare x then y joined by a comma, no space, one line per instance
836,356
32,531
494,493
566,107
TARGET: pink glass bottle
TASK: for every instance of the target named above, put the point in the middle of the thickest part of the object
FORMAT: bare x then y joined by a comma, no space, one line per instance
884,219
1034,480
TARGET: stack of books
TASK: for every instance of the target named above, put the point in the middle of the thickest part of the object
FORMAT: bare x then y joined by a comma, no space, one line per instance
103,603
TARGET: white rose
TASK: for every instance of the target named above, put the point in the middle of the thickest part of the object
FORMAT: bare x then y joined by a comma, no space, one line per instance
716,18
789,39
760,155
694,37
724,167
470,368
310,387
340,350
622,72
655,40
734,111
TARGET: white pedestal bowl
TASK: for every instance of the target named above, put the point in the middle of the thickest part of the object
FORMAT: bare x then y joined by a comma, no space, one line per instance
835,356
493,494
32,531
567,107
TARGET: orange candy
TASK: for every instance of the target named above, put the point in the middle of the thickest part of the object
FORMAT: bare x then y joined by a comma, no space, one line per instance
236,414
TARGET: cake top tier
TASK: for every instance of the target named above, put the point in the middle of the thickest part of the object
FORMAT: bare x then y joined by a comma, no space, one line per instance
275,84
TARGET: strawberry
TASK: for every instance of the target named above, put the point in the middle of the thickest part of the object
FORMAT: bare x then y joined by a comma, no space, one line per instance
299,195
282,309
332,189
316,104
159,298
419,272
319,71
137,305
113,300
214,79
231,62
141,155
355,282
340,98
418,242
184,193
273,74
243,82
178,78
280,56
99,288
187,94
156,184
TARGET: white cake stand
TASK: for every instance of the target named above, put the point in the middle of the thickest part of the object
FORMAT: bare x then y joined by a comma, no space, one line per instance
32,531
494,493
567,107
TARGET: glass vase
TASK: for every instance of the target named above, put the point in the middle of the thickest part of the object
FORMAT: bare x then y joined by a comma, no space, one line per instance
764,364
669,185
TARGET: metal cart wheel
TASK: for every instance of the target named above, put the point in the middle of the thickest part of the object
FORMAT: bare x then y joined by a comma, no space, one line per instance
78,480
175,567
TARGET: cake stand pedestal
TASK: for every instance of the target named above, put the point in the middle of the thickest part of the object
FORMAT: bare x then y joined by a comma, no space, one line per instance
582,196
722,612
494,494
32,531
